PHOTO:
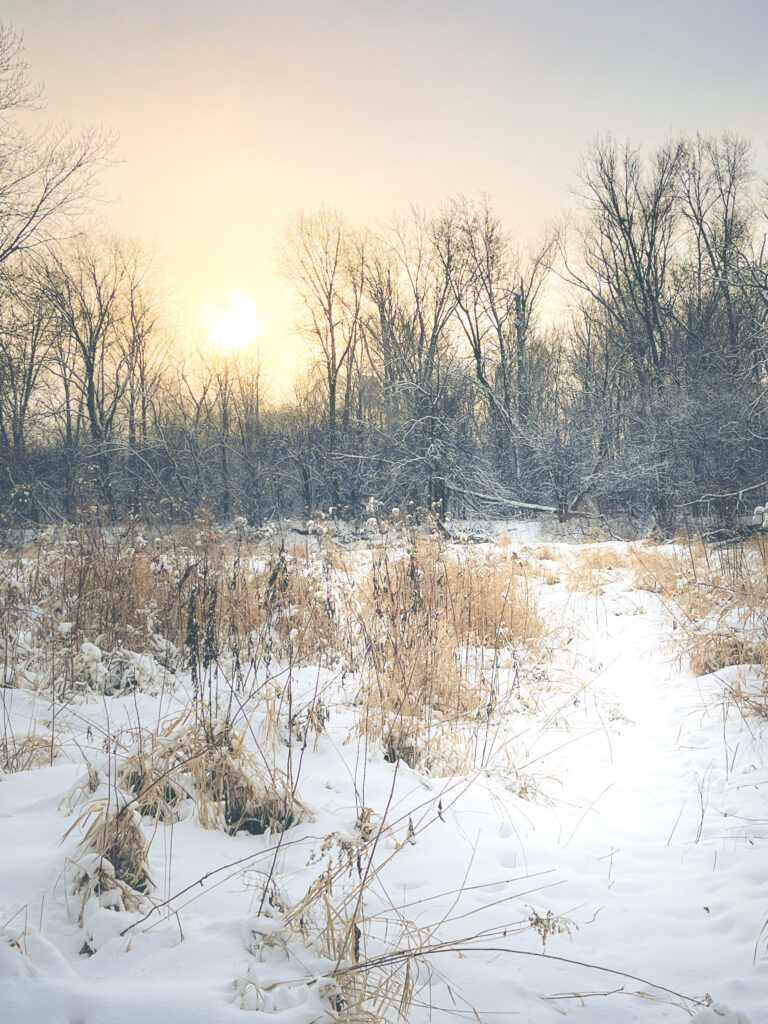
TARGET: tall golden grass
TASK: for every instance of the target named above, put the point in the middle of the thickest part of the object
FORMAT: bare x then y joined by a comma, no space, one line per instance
432,619
429,633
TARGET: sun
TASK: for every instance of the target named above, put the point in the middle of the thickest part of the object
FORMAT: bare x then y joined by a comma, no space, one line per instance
235,326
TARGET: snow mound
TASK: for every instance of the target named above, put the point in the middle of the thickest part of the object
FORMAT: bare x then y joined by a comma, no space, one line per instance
718,1013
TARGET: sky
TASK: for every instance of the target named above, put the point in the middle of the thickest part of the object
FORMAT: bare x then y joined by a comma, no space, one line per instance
232,115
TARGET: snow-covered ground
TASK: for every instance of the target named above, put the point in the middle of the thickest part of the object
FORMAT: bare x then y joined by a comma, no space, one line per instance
618,873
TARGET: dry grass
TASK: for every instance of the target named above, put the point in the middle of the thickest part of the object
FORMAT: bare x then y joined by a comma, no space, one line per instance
656,570
597,565
207,760
192,588
426,625
432,620
722,648
544,553
186,600
751,699
719,601
110,870
114,835
21,754
432,632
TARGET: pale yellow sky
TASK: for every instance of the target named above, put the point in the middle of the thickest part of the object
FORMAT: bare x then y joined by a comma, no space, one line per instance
233,115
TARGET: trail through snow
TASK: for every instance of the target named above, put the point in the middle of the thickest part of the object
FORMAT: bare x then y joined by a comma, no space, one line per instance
669,805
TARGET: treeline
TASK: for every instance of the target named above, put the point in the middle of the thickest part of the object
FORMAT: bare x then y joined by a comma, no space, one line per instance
620,365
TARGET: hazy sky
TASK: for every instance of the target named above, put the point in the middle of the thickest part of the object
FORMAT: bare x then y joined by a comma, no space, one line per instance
232,114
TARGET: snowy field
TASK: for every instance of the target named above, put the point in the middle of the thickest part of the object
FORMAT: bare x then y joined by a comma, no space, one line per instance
244,821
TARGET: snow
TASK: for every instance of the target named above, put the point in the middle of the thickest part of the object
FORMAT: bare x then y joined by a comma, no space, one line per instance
719,1013
618,873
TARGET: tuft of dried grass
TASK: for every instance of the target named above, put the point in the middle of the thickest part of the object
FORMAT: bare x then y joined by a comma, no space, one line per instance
21,754
430,618
597,565
187,599
114,835
207,760
657,571
722,592
723,648
544,553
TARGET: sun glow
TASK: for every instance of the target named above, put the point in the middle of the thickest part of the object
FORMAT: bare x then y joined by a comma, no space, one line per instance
235,326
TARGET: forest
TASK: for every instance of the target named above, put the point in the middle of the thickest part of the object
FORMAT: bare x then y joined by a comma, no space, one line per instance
618,365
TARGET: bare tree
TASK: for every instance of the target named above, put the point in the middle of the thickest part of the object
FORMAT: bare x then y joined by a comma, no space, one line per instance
628,243
97,291
410,343
717,203
26,339
495,289
326,263
249,393
46,177
85,286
